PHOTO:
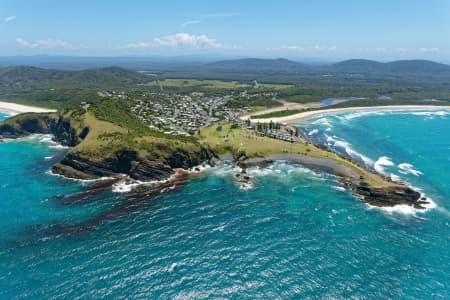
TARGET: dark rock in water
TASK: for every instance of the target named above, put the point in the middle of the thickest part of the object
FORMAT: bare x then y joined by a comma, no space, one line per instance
241,157
255,162
105,183
389,196
94,190
197,169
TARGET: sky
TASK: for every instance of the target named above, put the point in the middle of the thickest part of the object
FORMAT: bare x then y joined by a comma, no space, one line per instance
320,29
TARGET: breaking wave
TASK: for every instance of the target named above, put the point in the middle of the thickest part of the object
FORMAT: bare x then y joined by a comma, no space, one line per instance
382,162
406,168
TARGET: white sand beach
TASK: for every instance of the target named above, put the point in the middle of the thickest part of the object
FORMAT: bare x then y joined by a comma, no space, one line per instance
309,114
19,108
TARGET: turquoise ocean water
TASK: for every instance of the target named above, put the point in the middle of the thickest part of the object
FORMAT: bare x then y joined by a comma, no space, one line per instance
294,234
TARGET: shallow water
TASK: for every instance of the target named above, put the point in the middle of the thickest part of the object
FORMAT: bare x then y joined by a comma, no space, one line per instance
293,234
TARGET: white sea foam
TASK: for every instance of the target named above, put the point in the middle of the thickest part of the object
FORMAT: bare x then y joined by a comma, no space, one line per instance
127,184
338,143
313,132
48,157
124,186
407,209
406,168
246,186
440,113
400,209
39,138
358,114
395,178
8,113
58,146
339,188
382,162
199,168
172,267
82,181
322,121
46,138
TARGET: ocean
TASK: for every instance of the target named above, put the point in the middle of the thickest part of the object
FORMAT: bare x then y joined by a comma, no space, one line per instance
294,233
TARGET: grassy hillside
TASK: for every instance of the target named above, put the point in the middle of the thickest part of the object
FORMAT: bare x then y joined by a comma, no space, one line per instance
59,89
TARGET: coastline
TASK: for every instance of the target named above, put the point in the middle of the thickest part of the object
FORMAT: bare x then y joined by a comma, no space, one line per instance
370,187
10,107
309,114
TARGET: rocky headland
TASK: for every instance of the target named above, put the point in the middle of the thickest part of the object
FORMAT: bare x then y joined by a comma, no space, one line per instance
100,149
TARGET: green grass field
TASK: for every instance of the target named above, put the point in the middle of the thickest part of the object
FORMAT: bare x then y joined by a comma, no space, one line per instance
212,84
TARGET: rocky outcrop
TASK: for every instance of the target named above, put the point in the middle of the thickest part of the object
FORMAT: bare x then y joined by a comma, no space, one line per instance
79,165
75,165
26,124
389,196
395,194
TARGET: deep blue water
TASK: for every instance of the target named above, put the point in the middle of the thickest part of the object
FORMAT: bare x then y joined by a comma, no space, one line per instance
295,234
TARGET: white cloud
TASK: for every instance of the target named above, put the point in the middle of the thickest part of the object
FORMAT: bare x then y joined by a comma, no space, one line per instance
9,19
190,22
429,50
43,44
180,40
22,43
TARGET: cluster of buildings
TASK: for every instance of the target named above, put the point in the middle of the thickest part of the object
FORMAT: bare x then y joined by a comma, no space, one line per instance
116,94
278,131
283,135
183,114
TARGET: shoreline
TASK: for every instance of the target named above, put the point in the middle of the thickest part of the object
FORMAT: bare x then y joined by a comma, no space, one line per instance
10,107
310,114
368,186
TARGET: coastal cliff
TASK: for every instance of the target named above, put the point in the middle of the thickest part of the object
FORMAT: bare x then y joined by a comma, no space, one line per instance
45,123
101,149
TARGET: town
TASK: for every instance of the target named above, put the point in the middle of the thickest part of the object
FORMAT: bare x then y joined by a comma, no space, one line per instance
184,115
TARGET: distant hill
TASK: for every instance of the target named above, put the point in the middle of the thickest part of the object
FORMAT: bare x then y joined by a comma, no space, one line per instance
400,66
257,65
25,77
411,66
287,70
357,65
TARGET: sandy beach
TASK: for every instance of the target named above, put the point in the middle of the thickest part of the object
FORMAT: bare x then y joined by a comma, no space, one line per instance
19,108
309,114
